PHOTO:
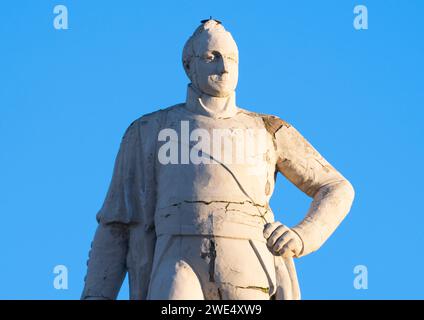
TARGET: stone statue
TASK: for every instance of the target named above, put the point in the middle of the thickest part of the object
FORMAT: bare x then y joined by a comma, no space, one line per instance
187,213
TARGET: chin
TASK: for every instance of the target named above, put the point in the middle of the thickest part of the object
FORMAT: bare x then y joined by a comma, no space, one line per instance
220,91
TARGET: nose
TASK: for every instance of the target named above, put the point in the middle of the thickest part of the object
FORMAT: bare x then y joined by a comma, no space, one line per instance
223,65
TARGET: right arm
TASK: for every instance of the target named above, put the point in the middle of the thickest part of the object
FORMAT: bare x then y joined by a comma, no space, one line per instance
107,264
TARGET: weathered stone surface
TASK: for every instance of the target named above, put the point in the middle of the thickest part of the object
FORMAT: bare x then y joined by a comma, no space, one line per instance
187,213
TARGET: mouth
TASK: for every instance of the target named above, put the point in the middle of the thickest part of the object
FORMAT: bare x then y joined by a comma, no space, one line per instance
221,78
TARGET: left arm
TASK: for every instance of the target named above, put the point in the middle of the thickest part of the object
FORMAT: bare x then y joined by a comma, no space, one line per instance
332,195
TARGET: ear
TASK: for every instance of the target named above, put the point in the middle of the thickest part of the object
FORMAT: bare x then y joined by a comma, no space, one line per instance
186,66
188,70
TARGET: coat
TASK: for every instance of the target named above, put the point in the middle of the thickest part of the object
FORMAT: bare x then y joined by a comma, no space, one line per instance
125,239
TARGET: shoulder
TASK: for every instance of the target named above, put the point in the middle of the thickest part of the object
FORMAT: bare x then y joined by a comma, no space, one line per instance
272,123
147,124
152,119
156,115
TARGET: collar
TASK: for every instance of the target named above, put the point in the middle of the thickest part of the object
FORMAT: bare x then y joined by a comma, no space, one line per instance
214,107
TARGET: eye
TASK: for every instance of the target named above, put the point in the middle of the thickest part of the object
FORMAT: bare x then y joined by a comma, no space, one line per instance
209,57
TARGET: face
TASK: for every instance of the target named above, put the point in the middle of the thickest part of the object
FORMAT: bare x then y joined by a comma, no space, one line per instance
215,65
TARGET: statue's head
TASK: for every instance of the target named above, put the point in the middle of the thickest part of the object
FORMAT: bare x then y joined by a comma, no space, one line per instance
210,59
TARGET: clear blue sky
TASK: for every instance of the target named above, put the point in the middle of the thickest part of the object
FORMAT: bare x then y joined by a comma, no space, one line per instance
66,97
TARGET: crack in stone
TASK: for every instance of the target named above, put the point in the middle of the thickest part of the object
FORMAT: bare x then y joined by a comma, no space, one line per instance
263,289
220,294
216,201
257,206
211,255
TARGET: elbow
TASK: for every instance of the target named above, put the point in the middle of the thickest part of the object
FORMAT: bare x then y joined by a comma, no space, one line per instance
342,190
349,191
345,194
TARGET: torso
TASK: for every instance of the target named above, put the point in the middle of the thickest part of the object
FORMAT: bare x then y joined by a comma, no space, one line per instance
222,194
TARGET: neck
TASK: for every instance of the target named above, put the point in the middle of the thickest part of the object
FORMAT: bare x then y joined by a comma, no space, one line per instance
215,107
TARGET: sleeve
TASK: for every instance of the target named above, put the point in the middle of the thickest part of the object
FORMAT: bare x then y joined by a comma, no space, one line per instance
123,199
108,255
106,266
332,193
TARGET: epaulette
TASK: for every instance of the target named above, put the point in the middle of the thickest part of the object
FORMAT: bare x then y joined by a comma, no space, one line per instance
273,123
